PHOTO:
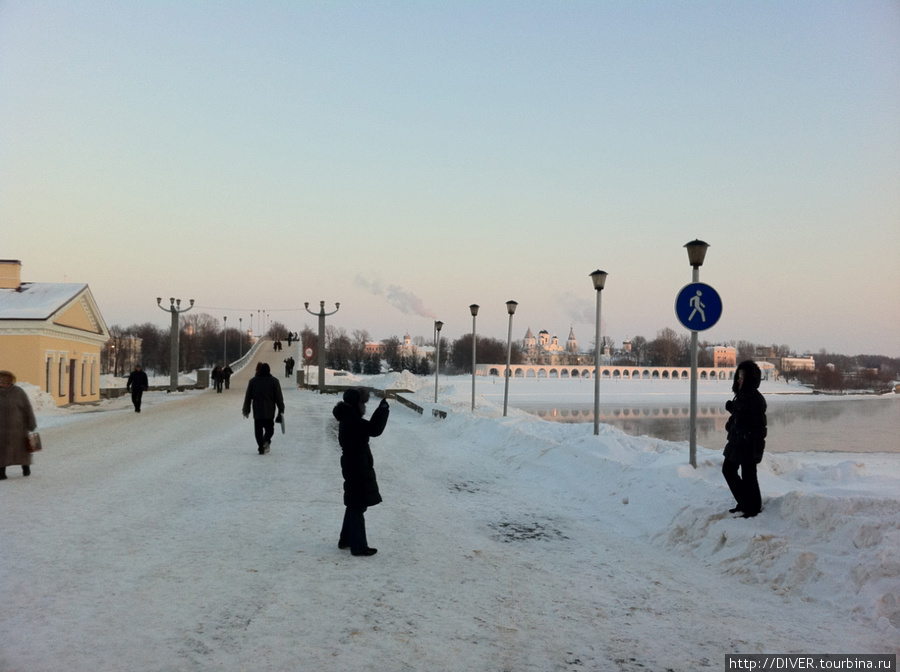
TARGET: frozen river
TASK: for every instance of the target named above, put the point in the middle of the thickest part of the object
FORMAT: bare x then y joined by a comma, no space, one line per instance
797,422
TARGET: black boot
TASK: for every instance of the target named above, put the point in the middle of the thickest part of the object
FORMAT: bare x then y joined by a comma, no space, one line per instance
2,473
26,470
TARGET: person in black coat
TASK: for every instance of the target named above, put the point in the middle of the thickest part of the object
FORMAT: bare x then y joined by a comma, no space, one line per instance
264,397
137,383
746,439
358,466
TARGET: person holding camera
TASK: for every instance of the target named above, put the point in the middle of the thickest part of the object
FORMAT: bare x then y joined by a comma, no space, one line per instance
746,439
358,466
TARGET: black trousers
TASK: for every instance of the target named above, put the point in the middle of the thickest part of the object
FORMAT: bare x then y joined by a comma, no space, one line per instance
264,430
136,396
745,487
353,531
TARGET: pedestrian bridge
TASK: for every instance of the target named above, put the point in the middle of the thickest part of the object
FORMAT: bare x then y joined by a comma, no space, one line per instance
617,372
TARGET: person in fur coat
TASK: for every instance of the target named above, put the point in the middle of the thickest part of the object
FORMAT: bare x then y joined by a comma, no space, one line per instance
746,439
358,466
16,421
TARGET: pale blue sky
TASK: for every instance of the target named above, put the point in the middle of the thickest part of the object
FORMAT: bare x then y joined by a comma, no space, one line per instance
410,156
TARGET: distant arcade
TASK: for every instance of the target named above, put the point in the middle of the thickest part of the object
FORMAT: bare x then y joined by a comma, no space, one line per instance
617,372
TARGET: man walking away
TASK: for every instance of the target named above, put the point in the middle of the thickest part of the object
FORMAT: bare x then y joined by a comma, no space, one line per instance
137,383
265,398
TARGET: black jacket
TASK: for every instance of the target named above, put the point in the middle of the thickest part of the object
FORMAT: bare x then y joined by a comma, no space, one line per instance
747,425
137,380
357,464
263,395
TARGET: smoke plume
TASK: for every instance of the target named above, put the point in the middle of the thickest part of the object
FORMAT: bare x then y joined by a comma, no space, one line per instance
404,301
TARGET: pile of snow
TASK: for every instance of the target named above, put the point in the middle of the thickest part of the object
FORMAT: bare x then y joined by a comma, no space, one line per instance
42,403
830,529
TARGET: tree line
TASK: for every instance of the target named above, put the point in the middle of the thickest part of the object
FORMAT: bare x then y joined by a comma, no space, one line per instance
204,343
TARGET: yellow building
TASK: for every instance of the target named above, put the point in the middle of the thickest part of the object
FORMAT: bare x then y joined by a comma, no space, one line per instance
51,335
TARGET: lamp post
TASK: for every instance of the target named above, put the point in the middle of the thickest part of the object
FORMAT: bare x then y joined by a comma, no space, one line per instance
696,250
599,279
437,356
322,315
241,337
175,309
511,309
474,310
224,340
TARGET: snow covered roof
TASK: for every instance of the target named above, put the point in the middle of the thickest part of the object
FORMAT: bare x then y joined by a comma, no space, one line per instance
37,300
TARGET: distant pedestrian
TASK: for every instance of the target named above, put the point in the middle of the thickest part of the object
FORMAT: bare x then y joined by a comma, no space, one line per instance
218,378
264,397
746,439
288,367
358,466
290,337
16,422
137,383
226,376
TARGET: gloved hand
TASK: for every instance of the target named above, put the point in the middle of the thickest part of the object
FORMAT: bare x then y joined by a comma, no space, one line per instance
383,404
246,415
279,418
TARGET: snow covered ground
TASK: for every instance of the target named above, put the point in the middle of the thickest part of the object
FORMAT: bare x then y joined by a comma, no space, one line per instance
163,541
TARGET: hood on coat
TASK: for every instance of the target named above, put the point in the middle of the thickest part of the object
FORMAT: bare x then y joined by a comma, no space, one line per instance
264,370
349,407
752,376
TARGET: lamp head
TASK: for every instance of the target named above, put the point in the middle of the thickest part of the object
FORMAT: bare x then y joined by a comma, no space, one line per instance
159,301
696,250
511,307
438,325
599,279
474,309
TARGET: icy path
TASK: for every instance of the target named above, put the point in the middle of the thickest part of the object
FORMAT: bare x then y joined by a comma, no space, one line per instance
163,542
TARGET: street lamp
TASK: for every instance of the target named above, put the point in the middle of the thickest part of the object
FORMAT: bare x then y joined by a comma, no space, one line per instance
511,309
696,250
474,310
437,356
175,309
599,279
224,340
241,337
322,315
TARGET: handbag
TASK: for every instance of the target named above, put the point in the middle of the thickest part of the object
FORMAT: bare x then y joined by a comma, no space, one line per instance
34,442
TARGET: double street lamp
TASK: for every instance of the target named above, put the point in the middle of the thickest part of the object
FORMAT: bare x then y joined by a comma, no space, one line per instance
599,279
175,309
511,309
321,347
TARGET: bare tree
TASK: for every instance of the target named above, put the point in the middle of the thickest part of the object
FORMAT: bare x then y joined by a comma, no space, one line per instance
667,348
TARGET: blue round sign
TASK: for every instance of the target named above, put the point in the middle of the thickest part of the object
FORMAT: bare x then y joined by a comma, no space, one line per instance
698,306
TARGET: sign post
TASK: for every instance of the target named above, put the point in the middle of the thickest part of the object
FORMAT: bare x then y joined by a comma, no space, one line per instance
698,307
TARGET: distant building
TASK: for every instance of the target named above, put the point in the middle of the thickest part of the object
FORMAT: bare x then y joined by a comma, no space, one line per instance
546,349
723,355
796,363
51,335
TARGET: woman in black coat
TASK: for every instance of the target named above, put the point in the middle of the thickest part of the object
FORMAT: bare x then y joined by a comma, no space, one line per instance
358,466
746,439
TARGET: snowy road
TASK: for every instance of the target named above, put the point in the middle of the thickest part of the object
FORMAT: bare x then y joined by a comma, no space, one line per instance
163,542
